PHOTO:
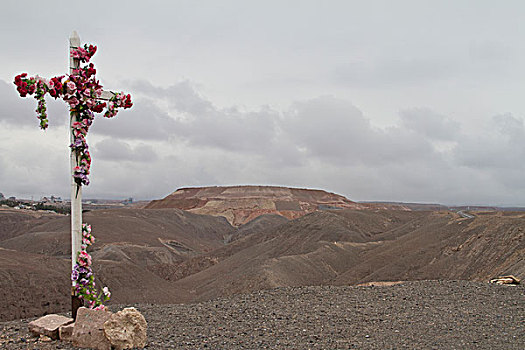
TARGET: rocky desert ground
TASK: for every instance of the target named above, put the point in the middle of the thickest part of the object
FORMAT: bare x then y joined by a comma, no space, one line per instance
415,315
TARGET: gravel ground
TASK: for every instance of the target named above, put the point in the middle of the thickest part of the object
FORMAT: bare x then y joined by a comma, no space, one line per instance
415,315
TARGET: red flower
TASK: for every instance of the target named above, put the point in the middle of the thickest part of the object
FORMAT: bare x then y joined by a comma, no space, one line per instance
98,108
21,85
90,70
127,102
31,88
91,50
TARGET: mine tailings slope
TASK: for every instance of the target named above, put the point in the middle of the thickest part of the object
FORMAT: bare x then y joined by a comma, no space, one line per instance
241,204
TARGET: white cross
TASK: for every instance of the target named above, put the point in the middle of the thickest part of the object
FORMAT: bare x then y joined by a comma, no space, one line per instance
76,190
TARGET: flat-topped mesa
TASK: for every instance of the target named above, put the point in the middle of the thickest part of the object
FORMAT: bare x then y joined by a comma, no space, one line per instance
241,204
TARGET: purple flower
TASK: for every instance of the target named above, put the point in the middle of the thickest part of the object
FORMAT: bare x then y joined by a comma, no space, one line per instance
74,275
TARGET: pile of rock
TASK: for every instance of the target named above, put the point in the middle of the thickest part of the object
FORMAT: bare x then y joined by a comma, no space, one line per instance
95,329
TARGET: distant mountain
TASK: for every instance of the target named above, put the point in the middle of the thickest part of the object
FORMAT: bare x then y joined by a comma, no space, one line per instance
434,206
241,204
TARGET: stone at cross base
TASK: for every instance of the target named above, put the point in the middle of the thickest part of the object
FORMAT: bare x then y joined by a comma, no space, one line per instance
65,333
89,329
48,325
104,330
126,329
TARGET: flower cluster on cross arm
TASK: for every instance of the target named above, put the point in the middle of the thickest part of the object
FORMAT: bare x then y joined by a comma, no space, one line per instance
81,90
82,275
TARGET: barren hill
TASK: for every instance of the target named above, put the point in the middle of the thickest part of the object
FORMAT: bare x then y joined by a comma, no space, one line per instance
347,247
241,204
133,248
171,255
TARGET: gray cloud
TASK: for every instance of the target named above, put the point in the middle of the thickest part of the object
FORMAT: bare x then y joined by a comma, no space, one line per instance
334,129
199,122
489,51
500,148
145,121
395,72
12,109
430,124
116,150
330,141
325,142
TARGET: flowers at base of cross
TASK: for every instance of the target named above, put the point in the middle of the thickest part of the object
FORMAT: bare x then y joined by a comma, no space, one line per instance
82,277
81,91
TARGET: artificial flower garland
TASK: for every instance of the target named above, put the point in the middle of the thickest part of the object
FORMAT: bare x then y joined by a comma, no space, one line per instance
82,276
81,91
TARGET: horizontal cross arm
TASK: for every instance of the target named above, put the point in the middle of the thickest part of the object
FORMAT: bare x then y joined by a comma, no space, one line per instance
106,95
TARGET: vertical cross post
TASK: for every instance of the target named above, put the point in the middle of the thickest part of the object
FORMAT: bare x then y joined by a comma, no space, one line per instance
76,190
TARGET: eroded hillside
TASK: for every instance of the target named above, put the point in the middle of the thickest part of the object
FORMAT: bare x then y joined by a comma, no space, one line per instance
170,255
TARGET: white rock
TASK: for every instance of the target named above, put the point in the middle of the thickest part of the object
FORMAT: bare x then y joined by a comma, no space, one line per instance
126,329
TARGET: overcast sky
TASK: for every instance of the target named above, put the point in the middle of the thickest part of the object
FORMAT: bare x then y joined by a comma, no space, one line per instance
419,101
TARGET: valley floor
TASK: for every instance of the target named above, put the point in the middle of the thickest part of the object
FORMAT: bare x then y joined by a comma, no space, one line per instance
422,315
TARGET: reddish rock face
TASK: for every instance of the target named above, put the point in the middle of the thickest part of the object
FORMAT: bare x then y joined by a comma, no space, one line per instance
241,204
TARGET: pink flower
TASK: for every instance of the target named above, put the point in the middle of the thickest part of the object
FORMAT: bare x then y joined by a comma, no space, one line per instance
73,102
84,259
41,80
71,87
